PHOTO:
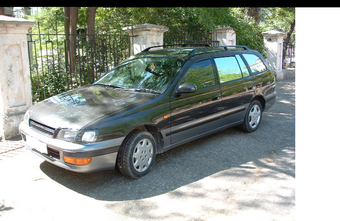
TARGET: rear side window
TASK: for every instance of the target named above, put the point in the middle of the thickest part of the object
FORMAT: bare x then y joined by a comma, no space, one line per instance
228,69
201,74
255,63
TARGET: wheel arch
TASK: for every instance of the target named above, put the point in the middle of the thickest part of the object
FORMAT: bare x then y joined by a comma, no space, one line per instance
261,100
155,133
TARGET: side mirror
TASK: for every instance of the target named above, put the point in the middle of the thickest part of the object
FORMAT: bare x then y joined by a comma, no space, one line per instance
186,88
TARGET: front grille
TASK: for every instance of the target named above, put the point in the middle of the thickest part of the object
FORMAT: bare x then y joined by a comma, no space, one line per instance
53,153
46,130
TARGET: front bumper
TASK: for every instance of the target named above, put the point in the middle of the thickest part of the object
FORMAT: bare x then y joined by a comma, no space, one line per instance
103,153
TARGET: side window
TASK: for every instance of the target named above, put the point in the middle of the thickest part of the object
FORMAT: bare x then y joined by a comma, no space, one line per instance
201,74
255,63
243,66
228,69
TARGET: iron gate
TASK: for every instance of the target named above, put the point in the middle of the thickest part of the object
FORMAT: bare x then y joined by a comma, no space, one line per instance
190,37
60,62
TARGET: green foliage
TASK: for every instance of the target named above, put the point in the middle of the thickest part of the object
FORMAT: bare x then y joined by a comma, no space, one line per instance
178,19
111,20
51,20
248,32
48,83
278,19
50,69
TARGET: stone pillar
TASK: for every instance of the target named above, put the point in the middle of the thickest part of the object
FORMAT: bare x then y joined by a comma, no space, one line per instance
225,36
274,42
15,84
145,35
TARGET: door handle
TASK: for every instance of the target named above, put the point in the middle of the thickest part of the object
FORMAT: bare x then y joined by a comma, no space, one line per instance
215,98
250,86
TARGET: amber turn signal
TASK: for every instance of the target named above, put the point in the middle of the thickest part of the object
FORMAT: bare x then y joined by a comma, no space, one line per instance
77,161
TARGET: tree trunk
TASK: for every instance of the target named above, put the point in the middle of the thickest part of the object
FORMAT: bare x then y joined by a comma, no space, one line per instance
67,20
286,40
91,16
67,35
70,25
67,44
2,10
73,37
254,12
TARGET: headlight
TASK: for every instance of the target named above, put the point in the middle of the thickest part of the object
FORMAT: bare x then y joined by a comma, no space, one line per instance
27,117
89,136
76,136
67,135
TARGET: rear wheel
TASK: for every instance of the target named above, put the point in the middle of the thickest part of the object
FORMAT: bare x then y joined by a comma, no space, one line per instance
253,117
137,155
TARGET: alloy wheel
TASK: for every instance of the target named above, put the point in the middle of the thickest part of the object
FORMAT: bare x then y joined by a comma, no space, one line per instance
142,155
254,116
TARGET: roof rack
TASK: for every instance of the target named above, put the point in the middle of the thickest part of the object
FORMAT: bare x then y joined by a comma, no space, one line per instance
226,47
181,45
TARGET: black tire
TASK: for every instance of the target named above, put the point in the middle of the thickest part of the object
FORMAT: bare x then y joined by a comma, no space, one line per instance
253,117
137,155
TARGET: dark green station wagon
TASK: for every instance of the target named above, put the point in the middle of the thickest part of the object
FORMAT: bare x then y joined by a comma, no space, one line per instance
152,102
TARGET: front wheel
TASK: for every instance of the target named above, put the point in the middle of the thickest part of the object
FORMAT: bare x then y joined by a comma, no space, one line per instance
137,155
253,117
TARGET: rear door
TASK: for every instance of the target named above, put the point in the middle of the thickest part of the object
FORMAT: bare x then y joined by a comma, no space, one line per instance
236,87
193,114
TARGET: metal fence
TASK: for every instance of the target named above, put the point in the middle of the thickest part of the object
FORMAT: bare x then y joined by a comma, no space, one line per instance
60,62
290,54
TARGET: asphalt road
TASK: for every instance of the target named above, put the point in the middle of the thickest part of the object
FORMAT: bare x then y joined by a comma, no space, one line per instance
230,174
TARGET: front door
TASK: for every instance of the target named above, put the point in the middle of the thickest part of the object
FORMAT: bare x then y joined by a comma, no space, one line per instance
193,114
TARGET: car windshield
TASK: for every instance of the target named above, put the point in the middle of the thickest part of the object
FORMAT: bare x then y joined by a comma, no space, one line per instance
147,74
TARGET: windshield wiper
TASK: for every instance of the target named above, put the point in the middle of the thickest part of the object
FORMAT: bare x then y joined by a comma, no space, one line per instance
145,90
132,89
108,85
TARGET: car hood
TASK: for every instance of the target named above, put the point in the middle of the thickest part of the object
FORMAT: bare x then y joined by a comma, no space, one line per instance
79,107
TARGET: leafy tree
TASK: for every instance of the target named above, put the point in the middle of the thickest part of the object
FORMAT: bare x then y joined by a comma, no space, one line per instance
248,31
178,19
281,19
202,20
50,20
254,12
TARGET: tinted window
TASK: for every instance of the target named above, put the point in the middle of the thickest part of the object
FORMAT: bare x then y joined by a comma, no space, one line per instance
243,66
144,73
201,74
228,69
255,63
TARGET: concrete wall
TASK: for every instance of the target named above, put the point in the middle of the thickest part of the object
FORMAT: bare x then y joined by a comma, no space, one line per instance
274,43
144,36
225,36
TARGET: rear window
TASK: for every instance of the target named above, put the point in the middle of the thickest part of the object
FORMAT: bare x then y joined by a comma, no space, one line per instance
255,63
